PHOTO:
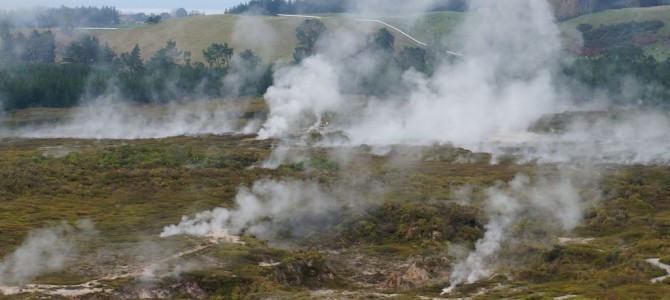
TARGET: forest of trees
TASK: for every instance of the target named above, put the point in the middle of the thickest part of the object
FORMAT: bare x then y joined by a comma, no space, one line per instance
599,39
62,17
30,75
610,71
35,72
567,9
273,7
140,17
564,9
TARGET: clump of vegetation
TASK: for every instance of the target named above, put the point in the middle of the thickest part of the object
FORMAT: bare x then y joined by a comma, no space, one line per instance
416,221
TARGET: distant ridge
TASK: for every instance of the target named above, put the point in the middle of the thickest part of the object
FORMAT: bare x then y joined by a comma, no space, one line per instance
568,9
564,9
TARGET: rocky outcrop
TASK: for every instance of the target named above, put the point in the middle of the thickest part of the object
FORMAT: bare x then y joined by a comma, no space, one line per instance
422,272
306,271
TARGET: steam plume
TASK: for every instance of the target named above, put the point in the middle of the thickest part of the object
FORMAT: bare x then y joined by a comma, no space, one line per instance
265,204
552,202
110,118
44,250
499,86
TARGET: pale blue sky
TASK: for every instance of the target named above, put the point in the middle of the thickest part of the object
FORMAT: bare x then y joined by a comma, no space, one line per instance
209,5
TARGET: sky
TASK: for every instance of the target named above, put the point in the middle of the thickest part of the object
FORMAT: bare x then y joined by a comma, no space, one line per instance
209,6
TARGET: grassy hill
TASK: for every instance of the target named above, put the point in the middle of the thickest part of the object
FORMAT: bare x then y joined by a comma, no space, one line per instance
197,33
273,37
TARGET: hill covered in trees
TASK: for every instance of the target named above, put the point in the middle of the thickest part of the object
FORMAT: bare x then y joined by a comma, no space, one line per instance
273,7
565,9
32,76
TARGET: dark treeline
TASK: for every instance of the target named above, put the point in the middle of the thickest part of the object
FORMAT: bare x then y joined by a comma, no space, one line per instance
30,76
139,18
273,7
34,47
567,9
623,72
599,39
564,9
64,17
613,61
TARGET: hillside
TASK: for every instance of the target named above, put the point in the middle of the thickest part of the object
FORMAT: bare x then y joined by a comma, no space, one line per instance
659,49
271,37
567,9
196,33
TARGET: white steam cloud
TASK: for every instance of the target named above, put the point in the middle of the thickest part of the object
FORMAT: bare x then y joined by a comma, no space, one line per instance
110,118
554,202
485,100
503,83
44,250
267,203
624,137
255,32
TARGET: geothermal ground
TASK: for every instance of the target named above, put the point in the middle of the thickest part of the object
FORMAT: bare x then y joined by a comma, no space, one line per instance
391,223
515,170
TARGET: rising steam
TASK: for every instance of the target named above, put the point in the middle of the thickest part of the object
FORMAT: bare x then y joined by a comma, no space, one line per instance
503,83
302,206
44,250
486,100
553,202
109,117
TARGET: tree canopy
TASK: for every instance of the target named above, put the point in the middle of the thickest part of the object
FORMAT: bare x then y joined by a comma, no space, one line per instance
307,33
218,55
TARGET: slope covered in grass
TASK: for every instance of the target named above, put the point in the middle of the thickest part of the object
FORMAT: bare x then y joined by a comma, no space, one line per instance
273,37
197,33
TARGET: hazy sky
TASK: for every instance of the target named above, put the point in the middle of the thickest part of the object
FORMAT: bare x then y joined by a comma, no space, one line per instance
210,5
